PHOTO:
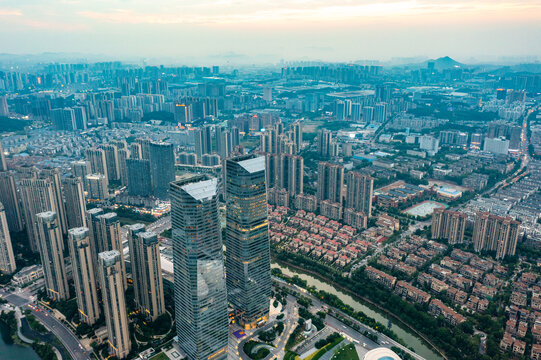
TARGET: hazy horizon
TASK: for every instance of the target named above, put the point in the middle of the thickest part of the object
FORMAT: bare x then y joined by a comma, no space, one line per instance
228,31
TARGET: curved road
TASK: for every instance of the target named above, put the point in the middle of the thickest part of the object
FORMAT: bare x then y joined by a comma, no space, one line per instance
68,339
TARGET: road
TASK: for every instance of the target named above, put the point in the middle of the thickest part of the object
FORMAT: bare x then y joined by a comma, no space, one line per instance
290,323
68,339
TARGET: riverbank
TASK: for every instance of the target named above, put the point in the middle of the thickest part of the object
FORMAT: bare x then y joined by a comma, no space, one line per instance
361,299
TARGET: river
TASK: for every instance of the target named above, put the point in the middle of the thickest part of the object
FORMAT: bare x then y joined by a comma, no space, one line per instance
16,352
410,339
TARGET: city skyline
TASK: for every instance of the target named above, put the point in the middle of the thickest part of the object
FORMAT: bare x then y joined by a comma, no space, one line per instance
223,31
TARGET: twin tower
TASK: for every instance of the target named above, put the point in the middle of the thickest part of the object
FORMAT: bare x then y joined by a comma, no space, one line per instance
202,289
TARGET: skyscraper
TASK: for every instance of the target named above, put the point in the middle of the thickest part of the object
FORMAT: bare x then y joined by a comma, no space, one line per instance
162,168
114,303
330,182
75,202
360,190
84,275
8,197
448,225
108,238
495,233
7,260
247,239
139,179
52,259
200,288
146,272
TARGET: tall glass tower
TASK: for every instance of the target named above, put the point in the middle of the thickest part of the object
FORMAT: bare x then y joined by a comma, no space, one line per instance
247,239
200,289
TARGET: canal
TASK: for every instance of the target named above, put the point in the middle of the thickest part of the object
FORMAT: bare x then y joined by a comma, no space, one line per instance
411,340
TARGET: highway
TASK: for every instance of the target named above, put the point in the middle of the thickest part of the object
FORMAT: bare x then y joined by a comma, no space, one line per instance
68,339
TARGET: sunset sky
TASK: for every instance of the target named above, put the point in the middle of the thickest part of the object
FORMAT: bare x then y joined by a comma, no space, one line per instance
270,30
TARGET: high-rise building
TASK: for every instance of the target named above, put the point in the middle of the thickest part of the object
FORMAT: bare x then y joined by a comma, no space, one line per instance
53,174
247,239
3,164
80,169
356,112
97,162
291,173
496,145
7,260
64,119
515,137
52,259
324,138
145,148
430,144
200,288
139,179
135,151
330,182
4,110
235,137
75,202
495,233
80,118
360,190
297,136
97,187
203,141
114,303
380,113
8,197
111,161
108,238
94,231
368,114
147,273
37,196
84,276
267,93
123,156
162,168
448,225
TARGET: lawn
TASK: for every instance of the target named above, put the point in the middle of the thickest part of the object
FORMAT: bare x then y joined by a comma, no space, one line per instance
346,353
160,356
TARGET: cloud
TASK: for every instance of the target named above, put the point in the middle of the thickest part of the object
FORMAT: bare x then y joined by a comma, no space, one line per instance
10,12
229,12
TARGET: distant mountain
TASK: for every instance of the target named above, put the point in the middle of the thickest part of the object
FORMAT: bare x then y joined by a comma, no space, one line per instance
443,63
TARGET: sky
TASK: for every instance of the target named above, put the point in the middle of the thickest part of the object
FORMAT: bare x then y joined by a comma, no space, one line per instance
266,31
